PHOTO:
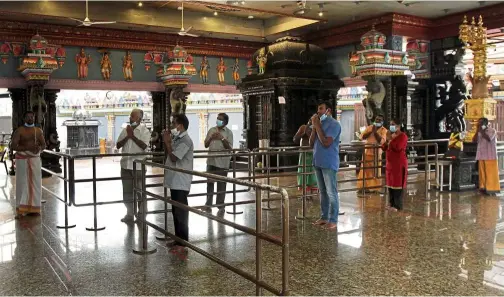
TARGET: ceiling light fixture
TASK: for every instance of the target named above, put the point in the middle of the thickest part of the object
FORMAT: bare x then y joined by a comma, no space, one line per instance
321,14
140,4
250,16
243,3
215,13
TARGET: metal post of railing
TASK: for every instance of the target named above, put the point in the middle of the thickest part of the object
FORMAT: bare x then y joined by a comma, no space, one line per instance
143,248
364,171
258,241
285,243
135,180
427,172
303,184
71,180
163,237
436,162
268,173
95,217
234,212
65,193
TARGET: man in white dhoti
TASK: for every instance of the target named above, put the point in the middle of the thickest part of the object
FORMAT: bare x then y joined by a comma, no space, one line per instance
28,141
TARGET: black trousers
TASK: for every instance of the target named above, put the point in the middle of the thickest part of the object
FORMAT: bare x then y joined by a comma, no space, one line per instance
180,216
221,186
395,198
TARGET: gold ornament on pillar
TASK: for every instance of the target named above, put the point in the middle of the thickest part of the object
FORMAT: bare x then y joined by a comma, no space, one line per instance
481,105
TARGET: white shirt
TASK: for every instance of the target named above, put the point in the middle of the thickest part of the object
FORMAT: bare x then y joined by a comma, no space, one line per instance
130,147
183,150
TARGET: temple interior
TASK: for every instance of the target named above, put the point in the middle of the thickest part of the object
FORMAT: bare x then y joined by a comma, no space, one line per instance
82,68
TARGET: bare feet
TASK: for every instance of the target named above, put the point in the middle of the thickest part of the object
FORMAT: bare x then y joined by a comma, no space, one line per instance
320,222
331,226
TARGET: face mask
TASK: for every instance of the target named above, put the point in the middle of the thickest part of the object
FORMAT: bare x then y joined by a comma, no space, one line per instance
134,124
393,129
483,127
311,126
175,132
220,123
323,117
378,124
29,125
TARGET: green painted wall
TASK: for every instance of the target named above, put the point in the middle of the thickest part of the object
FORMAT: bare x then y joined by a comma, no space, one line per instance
69,69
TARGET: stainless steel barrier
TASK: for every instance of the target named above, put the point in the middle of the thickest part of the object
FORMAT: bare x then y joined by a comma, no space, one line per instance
257,232
70,181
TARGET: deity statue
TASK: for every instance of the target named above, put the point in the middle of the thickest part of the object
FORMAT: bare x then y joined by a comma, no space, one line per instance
82,64
236,71
261,62
221,70
177,101
128,67
374,100
204,70
106,66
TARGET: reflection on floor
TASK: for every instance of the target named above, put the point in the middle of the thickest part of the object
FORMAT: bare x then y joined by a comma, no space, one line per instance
448,245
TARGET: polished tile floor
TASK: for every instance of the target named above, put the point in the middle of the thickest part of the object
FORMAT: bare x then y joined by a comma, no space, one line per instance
451,244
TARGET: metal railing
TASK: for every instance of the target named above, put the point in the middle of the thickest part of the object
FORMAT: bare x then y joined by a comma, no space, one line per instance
257,232
69,179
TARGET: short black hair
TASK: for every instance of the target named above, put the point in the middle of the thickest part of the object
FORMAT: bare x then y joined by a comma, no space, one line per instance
380,116
397,121
27,113
181,119
225,116
327,104
484,121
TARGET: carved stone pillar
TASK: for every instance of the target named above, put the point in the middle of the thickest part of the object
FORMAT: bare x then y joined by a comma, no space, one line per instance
19,107
51,133
111,129
203,126
158,119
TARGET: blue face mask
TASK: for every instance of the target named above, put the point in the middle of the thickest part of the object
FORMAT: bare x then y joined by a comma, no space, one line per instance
378,124
220,123
29,126
393,129
323,117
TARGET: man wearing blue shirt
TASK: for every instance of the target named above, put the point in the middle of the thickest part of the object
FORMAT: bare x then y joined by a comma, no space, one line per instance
324,140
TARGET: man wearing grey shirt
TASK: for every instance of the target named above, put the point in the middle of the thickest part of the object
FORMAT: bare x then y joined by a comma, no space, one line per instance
218,138
179,150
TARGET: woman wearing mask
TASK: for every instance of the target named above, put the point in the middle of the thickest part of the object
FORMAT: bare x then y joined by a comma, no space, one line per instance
302,138
397,164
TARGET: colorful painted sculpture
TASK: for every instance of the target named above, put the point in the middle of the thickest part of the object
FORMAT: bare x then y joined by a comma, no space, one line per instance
128,67
236,71
82,64
204,70
221,70
261,62
106,66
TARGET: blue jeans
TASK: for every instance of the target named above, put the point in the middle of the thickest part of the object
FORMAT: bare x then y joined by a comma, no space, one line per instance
329,200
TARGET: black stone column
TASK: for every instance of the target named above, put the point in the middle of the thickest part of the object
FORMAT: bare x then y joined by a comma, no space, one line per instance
158,120
19,107
51,134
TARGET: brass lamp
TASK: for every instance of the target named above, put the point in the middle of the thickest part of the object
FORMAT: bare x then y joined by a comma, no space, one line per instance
481,104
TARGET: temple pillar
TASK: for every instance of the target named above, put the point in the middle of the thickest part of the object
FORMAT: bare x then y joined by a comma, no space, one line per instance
202,126
19,107
158,120
50,161
111,128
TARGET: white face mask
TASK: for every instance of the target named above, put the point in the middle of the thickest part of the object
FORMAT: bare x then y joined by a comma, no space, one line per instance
134,124
29,126
175,132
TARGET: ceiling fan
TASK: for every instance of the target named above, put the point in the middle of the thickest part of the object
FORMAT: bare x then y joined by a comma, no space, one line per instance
87,22
408,3
183,31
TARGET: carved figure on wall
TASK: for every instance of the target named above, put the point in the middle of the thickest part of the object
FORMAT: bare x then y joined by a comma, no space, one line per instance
204,70
374,100
451,96
236,71
128,67
106,66
261,62
82,64
221,70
